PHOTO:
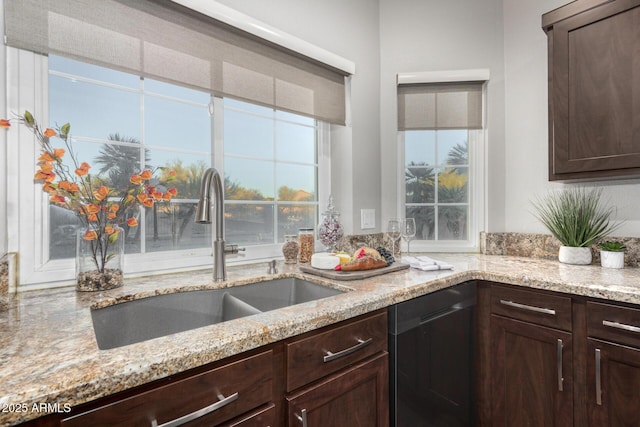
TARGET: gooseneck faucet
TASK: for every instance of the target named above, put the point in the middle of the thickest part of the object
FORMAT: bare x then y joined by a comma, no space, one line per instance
211,181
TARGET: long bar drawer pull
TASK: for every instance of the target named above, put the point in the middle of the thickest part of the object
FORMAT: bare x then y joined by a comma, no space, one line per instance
622,326
302,417
528,307
598,379
559,355
347,351
224,401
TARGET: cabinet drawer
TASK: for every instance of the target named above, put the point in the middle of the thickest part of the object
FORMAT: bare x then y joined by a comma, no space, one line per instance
259,418
312,357
242,385
530,306
613,323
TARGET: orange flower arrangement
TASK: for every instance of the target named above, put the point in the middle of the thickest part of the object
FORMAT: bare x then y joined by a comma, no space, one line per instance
101,209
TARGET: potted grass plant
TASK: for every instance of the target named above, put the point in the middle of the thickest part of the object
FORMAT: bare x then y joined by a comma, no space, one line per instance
577,218
612,254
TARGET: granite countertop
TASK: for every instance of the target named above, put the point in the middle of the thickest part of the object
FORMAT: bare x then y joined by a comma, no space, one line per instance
48,352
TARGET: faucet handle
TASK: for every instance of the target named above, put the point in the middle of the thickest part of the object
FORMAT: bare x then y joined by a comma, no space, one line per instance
233,249
272,267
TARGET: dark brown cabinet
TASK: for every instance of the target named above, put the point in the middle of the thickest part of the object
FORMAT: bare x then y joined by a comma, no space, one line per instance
212,397
549,359
594,89
531,364
356,397
339,376
613,365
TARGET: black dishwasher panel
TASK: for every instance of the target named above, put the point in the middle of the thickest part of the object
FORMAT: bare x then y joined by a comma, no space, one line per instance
432,357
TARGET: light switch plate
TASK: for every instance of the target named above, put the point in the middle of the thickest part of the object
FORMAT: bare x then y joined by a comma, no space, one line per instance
367,218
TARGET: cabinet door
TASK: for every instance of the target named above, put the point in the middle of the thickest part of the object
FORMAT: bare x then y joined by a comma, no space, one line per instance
531,374
355,397
595,92
613,384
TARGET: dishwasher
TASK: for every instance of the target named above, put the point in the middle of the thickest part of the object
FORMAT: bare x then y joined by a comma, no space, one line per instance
432,359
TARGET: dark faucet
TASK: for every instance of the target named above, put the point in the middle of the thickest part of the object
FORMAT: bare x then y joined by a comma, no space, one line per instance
211,180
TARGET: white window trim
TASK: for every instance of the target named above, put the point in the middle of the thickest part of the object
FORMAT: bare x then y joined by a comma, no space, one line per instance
477,174
27,204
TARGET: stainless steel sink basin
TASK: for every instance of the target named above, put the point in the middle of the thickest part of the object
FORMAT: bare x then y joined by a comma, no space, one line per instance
139,320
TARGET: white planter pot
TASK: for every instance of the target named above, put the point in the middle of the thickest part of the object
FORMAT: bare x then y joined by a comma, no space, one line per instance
574,255
611,259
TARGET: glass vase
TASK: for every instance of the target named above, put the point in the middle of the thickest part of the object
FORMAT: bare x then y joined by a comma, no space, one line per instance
99,260
330,230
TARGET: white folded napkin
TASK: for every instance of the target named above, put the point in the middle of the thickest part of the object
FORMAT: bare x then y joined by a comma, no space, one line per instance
425,263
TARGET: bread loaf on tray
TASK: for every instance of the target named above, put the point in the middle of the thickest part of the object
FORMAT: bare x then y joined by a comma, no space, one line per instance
363,259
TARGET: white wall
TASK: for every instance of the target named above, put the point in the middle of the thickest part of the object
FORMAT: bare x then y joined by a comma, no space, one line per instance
526,121
349,29
435,35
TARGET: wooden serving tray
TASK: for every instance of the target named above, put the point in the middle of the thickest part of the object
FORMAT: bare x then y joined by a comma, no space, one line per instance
353,275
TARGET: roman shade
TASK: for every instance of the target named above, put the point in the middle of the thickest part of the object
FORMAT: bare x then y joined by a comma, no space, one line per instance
434,106
169,42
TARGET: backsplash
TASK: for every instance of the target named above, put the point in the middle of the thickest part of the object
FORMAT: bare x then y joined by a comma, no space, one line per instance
350,243
546,246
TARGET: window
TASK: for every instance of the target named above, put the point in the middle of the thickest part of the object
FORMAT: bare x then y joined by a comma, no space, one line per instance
122,123
270,164
442,146
437,183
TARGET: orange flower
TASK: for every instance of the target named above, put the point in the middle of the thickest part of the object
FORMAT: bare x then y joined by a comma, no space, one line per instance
93,218
142,197
48,188
157,195
135,179
46,167
111,215
91,208
90,235
4,123
166,197
42,175
101,193
148,203
46,157
132,222
146,175
172,173
173,191
58,199
108,229
48,132
70,187
83,169
58,153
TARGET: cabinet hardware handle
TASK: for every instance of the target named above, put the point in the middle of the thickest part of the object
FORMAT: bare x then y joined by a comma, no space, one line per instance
598,379
622,326
528,307
560,376
333,356
302,417
224,401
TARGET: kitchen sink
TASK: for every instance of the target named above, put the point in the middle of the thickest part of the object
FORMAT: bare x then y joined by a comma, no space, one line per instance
159,315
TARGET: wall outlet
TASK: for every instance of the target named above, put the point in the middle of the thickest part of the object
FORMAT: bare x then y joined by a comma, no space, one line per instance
367,218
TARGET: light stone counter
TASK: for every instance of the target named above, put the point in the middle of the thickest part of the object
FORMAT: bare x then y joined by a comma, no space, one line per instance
48,352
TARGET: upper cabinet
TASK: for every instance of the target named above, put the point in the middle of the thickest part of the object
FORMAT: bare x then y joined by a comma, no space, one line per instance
594,89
